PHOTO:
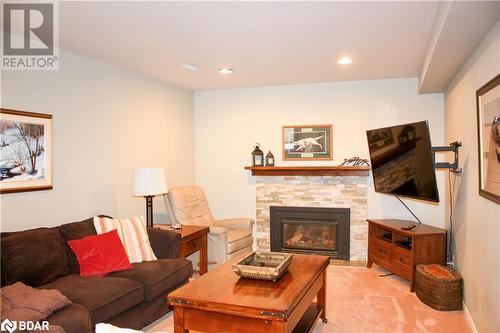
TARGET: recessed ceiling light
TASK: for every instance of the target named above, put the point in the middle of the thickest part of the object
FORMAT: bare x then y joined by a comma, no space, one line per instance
189,67
225,70
344,61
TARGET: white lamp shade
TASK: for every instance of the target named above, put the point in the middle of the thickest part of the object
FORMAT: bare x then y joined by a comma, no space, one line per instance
149,181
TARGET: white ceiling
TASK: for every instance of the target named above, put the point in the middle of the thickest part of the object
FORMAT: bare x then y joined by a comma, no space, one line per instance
266,43
457,30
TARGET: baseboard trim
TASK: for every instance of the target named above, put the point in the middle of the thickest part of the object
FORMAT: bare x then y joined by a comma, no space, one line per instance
468,317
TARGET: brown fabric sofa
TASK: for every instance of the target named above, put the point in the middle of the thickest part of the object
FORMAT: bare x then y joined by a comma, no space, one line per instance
133,299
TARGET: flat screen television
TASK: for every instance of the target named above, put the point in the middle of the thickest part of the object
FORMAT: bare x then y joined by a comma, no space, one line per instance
402,161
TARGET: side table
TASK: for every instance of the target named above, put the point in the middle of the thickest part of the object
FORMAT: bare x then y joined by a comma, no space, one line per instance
193,238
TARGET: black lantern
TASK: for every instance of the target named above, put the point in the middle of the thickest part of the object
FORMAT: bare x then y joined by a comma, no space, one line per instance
257,156
407,134
269,159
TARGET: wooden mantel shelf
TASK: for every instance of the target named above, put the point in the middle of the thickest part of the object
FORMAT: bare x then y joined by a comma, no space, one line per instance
309,170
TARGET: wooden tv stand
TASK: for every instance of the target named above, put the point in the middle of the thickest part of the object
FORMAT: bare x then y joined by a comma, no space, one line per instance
399,251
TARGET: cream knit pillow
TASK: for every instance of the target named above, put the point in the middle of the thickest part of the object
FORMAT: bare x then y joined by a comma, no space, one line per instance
133,234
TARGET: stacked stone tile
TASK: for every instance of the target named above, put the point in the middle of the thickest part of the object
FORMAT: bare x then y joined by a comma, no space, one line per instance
325,191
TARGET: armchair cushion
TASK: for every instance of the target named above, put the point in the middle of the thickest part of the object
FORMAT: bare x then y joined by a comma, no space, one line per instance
239,253
235,223
190,206
238,239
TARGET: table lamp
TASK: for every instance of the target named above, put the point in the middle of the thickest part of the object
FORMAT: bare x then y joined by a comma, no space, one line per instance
148,182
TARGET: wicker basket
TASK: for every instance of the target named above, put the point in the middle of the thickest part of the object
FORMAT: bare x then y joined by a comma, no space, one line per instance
263,265
439,287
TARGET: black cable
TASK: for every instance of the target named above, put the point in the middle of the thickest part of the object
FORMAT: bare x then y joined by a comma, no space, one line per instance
419,222
388,274
450,243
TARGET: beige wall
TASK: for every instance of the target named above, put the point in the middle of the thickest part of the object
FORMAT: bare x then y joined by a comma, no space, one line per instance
229,122
107,121
476,219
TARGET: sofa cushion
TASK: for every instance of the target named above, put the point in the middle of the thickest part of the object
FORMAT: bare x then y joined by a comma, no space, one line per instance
100,254
33,257
133,234
238,239
104,297
73,319
76,230
158,276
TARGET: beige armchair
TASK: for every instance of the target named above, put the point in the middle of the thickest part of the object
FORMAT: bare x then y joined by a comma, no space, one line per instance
227,238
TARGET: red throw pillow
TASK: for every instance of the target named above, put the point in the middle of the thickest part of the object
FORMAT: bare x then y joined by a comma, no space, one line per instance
100,254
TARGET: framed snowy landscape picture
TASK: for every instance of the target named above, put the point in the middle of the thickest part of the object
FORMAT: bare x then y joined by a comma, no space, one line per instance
25,151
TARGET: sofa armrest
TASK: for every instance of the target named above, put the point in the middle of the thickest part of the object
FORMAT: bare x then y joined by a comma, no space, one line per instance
235,223
166,244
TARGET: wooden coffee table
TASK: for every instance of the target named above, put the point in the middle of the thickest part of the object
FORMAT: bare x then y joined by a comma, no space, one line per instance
221,301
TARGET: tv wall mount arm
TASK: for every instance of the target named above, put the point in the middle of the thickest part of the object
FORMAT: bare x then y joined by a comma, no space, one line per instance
453,147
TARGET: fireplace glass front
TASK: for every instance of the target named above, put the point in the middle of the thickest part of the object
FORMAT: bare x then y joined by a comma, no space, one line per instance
311,230
309,235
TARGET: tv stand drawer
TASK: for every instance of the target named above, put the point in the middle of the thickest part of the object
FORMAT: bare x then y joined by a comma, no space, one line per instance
401,257
401,261
382,248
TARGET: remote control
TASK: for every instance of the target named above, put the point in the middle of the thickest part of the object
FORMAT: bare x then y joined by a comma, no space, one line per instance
411,226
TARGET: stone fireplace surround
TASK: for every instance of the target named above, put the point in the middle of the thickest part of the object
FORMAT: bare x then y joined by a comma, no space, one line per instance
314,191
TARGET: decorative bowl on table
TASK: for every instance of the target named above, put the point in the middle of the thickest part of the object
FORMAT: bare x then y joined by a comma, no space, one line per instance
263,265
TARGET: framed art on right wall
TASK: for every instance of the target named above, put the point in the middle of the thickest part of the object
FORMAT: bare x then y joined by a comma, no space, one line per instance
488,130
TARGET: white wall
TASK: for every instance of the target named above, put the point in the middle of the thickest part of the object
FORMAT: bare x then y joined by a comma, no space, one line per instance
229,122
107,121
476,219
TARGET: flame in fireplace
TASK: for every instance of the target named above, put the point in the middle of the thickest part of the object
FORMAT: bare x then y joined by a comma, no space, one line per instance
310,236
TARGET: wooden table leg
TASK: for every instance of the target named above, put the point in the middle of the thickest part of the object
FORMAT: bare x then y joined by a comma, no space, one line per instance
321,299
179,320
204,255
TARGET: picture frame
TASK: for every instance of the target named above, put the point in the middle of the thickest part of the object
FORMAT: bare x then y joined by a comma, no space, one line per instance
307,142
25,151
488,131
380,138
